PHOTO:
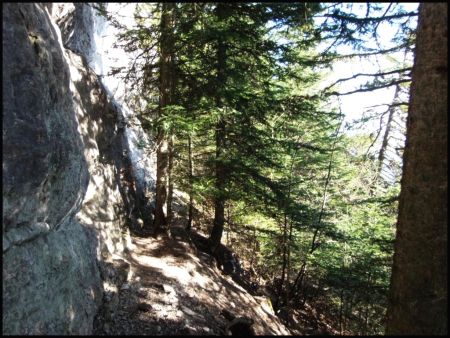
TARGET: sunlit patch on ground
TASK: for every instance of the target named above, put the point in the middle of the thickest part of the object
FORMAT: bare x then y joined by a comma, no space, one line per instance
176,290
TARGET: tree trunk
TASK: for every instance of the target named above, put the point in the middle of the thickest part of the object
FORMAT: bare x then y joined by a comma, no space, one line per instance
219,199
220,174
366,308
162,161
384,144
418,299
299,279
170,182
255,247
366,319
288,271
286,243
173,98
283,269
348,312
341,304
161,179
191,182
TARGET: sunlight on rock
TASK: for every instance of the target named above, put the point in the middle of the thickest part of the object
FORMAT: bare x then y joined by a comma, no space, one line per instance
71,313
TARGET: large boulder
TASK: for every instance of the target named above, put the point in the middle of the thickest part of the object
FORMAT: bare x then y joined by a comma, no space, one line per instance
51,282
63,202
45,173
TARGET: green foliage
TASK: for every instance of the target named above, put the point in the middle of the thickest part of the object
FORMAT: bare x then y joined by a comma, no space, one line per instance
307,197
359,262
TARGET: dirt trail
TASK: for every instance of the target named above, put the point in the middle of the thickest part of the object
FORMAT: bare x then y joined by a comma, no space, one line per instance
172,289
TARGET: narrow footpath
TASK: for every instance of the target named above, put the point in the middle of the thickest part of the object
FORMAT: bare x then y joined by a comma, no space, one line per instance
171,288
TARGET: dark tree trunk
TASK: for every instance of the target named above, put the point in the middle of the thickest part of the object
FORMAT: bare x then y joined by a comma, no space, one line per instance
191,182
220,174
288,271
170,182
173,98
162,156
341,304
418,299
284,263
255,247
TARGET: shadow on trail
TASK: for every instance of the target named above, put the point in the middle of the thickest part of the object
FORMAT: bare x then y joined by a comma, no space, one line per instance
177,289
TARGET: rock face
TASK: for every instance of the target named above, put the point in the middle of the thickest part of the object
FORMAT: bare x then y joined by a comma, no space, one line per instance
44,170
65,200
87,33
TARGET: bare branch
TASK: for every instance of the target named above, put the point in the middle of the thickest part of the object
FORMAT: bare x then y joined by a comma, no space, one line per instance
390,105
367,74
377,200
353,19
383,16
328,58
361,90
379,131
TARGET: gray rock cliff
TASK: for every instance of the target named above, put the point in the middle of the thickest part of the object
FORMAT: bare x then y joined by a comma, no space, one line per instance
66,195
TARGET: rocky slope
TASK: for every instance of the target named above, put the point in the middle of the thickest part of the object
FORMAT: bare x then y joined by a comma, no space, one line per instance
174,289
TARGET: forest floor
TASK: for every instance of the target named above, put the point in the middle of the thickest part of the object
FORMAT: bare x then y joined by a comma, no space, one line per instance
175,289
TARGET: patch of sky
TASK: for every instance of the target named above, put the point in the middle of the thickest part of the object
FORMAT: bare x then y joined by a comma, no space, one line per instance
355,106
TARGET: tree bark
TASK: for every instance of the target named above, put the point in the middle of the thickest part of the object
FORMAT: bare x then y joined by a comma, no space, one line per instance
219,199
170,182
220,172
418,299
191,182
162,160
173,98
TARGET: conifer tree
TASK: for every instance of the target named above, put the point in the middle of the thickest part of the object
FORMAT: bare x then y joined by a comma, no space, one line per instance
256,145
418,302
166,93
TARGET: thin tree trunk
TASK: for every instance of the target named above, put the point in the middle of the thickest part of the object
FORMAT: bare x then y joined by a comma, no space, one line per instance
344,314
219,199
299,278
341,303
360,330
366,308
283,269
170,182
348,311
254,248
418,298
288,272
173,99
220,172
286,243
191,183
162,160
366,319
384,144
